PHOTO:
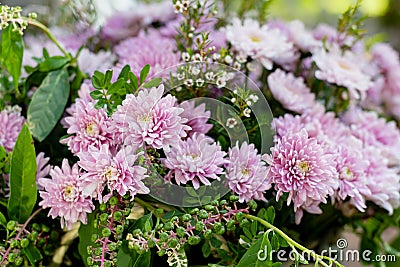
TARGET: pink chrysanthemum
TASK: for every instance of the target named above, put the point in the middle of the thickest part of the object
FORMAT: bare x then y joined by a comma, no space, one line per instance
63,195
152,49
197,117
351,167
246,174
290,91
375,131
116,172
101,61
11,123
196,159
151,118
87,126
301,167
261,43
43,168
345,69
384,182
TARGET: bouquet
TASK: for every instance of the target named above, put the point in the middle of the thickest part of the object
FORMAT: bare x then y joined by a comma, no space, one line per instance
181,133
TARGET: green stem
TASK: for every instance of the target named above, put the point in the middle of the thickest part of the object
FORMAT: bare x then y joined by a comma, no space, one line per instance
144,204
292,243
49,34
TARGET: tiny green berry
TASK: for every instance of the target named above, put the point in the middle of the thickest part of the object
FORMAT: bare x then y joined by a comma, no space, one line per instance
208,234
168,226
173,242
117,215
194,240
233,198
24,242
103,206
11,225
203,214
113,200
164,237
106,232
199,226
186,217
180,231
194,211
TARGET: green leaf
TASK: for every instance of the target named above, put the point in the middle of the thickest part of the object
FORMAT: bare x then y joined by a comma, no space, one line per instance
270,215
33,254
134,80
130,258
258,254
153,83
275,242
53,63
12,50
216,243
206,249
96,94
124,72
96,82
23,189
191,191
48,103
85,236
117,87
144,72
3,220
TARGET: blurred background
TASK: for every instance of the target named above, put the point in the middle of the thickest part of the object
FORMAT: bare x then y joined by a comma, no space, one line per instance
383,16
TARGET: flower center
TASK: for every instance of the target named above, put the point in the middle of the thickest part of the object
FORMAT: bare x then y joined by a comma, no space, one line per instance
110,173
146,118
92,129
346,174
255,38
246,172
344,65
193,156
70,193
303,166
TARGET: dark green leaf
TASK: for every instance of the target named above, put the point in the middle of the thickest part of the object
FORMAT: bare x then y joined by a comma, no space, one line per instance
270,215
124,72
253,228
97,83
12,48
153,83
247,233
258,254
96,94
100,104
23,189
107,78
117,87
206,249
33,254
130,258
3,221
48,103
216,243
223,254
144,223
144,72
134,80
53,63
275,242
85,236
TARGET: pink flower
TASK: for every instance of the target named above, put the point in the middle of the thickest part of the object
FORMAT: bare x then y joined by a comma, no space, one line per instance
301,167
87,126
197,117
344,69
116,172
197,159
63,195
261,43
351,167
43,168
383,181
290,91
375,131
246,174
151,118
11,123
101,61
152,49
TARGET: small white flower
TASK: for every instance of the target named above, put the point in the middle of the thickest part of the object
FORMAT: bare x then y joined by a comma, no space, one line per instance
241,58
190,35
210,75
252,66
178,7
185,56
254,98
236,65
231,122
233,100
228,59
235,92
179,88
247,112
248,102
195,71
216,56
188,82
185,4
197,57
221,82
180,76
199,82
